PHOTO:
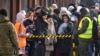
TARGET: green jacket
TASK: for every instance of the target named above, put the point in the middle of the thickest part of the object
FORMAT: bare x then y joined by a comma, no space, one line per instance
8,37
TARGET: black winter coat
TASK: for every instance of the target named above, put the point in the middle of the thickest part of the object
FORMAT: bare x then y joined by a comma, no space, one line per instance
30,26
57,22
41,27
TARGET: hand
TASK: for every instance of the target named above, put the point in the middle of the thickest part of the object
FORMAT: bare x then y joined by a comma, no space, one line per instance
27,34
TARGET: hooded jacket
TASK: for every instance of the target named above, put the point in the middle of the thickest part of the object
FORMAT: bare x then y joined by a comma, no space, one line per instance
8,38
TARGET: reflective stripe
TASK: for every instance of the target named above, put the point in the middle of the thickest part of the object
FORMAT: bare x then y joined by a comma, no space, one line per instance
88,32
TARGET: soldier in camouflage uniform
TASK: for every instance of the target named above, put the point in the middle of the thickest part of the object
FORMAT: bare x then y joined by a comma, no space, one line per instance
8,38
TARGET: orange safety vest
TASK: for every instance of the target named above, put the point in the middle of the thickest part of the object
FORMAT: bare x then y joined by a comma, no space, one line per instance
21,40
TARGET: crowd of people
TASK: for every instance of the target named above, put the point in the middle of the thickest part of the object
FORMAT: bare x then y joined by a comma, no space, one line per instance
77,20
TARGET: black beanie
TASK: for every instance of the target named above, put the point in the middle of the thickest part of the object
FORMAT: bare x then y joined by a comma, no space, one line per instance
3,12
49,16
37,8
43,13
56,11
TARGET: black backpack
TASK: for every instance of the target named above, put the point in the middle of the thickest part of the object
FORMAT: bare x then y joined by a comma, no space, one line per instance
69,28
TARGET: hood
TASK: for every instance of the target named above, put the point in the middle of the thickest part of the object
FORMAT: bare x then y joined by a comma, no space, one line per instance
3,19
20,17
65,10
72,8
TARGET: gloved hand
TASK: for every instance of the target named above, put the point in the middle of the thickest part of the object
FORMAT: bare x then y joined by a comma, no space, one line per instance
28,34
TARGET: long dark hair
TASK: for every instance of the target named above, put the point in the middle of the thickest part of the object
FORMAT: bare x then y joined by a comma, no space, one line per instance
66,16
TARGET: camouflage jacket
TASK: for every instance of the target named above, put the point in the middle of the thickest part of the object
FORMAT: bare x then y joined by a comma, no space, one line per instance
8,38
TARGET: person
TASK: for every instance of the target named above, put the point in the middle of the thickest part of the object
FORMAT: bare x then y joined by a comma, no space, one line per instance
84,31
37,12
8,37
30,28
98,20
49,41
64,44
56,19
72,8
94,41
53,7
21,32
41,25
64,11
41,29
75,15
28,22
75,19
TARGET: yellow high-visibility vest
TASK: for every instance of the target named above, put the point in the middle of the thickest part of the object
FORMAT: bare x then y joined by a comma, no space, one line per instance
88,33
98,20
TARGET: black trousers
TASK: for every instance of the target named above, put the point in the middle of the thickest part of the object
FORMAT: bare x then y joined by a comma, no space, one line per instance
96,48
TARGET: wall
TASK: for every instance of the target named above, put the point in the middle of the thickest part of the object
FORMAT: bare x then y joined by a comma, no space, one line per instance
14,6
5,4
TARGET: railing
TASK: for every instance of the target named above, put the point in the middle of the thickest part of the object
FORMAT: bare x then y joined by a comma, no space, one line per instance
74,52
51,36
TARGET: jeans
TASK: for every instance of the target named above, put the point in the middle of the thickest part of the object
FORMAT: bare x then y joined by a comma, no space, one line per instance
90,49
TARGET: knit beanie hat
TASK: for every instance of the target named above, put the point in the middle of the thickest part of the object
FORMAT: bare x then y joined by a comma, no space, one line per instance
3,12
43,13
37,7
56,11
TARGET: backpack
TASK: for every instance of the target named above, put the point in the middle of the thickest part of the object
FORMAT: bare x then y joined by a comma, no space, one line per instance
69,28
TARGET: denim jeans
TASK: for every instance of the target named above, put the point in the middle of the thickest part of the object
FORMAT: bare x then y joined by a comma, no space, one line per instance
90,49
